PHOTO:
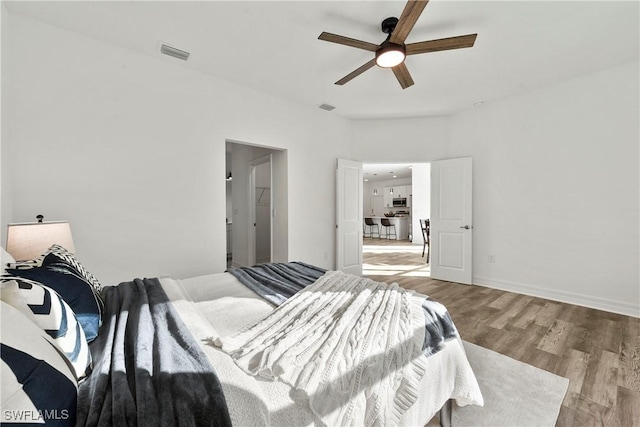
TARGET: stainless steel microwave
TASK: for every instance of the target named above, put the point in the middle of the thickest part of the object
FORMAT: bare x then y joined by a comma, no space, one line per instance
400,202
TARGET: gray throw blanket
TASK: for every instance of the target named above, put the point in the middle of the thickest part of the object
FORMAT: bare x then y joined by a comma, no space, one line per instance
148,370
277,282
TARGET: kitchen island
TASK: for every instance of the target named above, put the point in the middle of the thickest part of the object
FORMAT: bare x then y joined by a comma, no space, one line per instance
400,221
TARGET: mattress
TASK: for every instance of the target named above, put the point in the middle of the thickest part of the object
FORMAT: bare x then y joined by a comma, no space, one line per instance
219,305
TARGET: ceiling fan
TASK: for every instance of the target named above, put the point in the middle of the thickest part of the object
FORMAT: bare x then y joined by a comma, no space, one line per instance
392,52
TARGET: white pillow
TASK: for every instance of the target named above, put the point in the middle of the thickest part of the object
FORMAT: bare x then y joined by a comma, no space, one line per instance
5,258
46,308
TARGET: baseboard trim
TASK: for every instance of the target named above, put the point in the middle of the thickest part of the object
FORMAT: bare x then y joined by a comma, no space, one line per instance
618,307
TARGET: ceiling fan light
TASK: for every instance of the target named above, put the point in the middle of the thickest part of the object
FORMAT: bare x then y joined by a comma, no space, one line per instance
389,56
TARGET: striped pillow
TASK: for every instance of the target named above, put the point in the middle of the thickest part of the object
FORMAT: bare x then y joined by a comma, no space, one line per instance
62,256
46,308
38,385
66,280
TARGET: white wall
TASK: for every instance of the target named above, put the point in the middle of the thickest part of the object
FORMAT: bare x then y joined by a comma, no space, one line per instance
6,209
399,140
556,190
131,149
556,185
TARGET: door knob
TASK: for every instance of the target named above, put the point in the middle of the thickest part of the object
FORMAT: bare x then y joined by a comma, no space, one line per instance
466,227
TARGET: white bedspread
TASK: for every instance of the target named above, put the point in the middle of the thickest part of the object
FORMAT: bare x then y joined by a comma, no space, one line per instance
342,339
218,305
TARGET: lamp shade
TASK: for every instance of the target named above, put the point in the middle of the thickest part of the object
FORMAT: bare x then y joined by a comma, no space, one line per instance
27,241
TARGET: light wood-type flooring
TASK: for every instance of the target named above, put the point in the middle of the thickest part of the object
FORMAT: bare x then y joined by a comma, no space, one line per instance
598,351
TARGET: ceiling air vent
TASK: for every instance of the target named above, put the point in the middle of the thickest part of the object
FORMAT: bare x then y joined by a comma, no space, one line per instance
326,107
172,51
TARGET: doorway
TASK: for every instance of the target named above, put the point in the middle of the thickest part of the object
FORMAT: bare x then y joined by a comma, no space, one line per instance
257,194
408,185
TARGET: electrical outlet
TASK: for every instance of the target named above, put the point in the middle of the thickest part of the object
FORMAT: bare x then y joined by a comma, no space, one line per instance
492,258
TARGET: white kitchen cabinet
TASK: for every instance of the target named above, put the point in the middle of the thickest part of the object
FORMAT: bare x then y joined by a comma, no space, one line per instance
388,197
400,191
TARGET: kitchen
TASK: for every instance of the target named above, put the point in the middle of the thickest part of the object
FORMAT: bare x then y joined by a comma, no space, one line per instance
389,199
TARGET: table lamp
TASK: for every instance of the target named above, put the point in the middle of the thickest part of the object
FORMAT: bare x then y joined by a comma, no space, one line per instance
26,241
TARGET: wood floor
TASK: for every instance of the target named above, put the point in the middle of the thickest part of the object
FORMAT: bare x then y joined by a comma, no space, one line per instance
598,351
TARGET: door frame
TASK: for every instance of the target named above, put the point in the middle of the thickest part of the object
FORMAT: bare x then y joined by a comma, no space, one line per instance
253,209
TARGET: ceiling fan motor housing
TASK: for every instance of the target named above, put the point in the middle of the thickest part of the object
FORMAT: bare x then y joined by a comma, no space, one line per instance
389,24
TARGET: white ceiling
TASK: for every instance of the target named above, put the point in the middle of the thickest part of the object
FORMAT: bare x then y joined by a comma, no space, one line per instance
273,47
374,172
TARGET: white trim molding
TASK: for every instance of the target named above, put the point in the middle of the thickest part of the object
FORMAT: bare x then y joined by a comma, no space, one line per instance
619,307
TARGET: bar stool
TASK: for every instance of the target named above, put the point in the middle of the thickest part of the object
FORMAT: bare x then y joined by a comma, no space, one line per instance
387,224
368,222
425,225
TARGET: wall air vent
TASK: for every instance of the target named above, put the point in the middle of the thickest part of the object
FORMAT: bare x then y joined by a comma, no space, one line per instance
172,51
326,107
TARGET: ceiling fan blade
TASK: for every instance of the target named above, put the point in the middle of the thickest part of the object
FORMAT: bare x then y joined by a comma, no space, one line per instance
441,44
407,20
355,73
334,38
402,74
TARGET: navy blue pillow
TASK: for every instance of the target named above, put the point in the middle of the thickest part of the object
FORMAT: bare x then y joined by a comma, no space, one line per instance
48,389
72,287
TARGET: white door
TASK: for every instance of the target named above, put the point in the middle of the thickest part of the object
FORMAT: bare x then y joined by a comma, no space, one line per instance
451,220
349,217
260,219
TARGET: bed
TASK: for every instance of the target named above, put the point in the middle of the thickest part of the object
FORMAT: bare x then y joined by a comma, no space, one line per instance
213,314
